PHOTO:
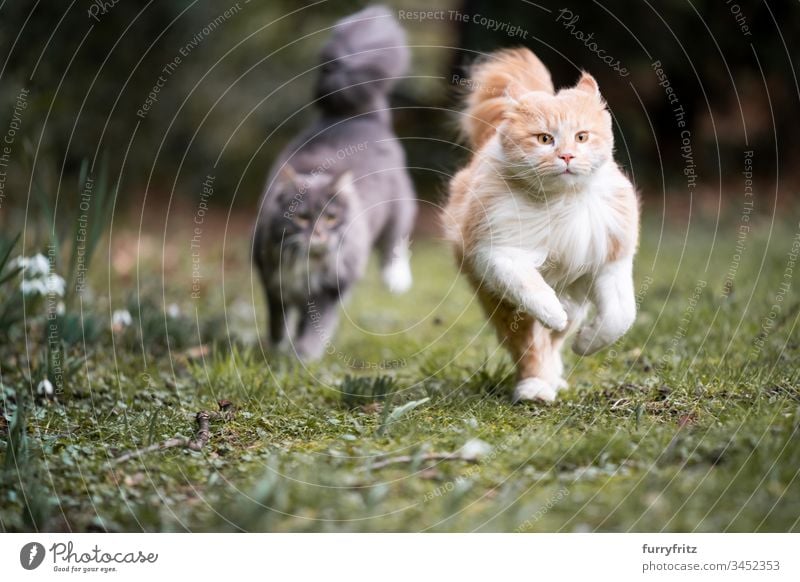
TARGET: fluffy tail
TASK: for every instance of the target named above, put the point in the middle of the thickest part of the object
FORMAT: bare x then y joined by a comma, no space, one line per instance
366,53
503,73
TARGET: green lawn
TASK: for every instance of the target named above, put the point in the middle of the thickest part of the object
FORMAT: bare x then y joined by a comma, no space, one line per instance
689,423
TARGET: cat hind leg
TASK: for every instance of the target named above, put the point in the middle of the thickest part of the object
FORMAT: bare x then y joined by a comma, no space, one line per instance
396,272
530,345
394,247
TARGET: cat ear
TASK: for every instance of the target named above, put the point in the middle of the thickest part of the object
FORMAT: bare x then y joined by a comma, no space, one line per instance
588,84
287,175
344,186
511,105
512,93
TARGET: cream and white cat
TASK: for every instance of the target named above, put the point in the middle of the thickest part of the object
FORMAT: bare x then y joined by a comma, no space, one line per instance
544,222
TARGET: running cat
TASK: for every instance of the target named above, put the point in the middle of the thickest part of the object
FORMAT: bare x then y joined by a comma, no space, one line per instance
544,222
338,190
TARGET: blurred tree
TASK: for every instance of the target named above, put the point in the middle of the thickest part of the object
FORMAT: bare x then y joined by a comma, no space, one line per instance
728,62
241,83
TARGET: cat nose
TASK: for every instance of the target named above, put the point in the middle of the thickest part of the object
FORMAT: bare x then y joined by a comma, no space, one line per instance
566,157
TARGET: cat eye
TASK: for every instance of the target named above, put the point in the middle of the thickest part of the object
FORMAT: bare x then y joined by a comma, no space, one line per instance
302,220
582,136
544,138
330,219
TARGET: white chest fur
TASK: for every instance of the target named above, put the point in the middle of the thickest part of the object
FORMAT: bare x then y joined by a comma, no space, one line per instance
569,234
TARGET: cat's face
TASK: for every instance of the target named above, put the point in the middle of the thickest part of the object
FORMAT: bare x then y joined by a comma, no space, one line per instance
316,211
558,140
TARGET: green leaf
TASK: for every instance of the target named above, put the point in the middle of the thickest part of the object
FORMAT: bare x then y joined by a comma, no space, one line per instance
400,411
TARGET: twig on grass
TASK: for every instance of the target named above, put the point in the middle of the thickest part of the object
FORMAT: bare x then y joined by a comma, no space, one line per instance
200,440
203,434
428,457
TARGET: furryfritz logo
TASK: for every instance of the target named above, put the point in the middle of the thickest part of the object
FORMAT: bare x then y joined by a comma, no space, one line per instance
31,555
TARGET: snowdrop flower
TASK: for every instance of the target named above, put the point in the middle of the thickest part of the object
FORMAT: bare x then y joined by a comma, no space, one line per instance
52,284
33,287
33,267
173,310
37,279
45,388
56,285
121,318
37,266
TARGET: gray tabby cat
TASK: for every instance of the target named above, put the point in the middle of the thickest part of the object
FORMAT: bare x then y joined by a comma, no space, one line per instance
338,190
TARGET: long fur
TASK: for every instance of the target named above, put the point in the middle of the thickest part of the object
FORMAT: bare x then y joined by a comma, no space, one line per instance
350,161
493,79
543,232
361,62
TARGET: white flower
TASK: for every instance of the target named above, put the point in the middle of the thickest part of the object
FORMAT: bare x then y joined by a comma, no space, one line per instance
61,309
38,266
56,285
173,310
475,449
37,279
121,318
45,388
33,287
34,267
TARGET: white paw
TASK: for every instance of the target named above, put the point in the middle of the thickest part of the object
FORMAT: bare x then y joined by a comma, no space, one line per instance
602,333
397,276
546,307
588,341
561,384
534,389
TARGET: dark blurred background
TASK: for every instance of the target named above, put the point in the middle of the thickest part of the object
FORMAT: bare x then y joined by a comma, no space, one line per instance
244,79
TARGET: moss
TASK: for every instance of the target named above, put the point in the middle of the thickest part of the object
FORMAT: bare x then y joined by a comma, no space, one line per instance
689,423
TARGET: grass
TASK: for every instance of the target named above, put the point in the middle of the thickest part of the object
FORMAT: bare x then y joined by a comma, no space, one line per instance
689,423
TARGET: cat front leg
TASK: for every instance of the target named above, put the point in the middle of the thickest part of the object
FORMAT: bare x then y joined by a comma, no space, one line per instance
316,327
613,295
277,321
512,274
